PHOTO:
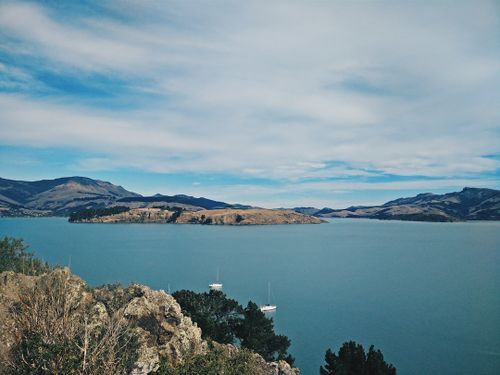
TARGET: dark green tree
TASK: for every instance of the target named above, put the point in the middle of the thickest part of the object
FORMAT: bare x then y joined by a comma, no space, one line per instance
352,360
256,332
224,320
376,365
216,315
15,257
91,213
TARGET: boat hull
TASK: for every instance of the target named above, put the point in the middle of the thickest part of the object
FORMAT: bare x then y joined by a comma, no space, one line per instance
215,286
268,308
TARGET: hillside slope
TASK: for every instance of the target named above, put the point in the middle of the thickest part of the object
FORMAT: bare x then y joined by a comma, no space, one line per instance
179,200
59,196
62,196
468,204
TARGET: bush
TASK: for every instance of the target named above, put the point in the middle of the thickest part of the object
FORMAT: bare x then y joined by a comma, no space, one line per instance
216,362
59,333
14,257
177,212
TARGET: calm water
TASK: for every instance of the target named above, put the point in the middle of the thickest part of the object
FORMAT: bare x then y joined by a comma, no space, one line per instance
426,294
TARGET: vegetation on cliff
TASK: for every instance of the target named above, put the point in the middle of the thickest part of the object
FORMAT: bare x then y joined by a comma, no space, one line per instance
224,320
216,315
59,332
51,322
15,257
215,362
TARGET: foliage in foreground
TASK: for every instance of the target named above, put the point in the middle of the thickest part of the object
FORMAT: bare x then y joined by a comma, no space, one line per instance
224,320
216,362
256,332
58,333
352,360
216,315
15,257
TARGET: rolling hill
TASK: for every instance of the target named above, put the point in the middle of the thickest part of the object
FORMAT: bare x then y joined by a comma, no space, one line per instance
468,204
63,196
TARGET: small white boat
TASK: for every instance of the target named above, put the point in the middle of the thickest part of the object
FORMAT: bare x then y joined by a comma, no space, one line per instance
217,285
268,307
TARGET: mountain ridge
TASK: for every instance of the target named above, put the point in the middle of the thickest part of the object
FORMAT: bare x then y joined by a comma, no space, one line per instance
62,196
467,204
65,195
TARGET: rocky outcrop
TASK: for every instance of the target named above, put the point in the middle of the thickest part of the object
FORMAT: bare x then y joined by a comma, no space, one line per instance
227,216
253,216
162,330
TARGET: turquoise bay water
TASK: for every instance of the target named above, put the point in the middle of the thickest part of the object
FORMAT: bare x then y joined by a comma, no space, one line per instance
426,294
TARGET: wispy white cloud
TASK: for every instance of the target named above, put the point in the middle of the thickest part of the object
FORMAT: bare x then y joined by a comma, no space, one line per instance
274,90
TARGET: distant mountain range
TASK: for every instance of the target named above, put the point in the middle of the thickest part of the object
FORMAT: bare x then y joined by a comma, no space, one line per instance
63,196
468,204
179,200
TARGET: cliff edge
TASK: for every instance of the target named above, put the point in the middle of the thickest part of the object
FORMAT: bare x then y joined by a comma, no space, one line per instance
60,304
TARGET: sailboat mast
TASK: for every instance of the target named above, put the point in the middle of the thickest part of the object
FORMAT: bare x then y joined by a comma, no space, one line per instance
269,293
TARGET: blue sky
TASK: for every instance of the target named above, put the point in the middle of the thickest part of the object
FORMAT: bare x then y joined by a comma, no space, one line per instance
268,103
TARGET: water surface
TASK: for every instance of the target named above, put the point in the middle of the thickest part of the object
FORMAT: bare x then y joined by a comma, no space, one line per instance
426,294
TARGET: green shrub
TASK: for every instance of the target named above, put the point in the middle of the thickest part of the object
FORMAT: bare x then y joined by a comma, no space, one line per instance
14,257
216,362
58,334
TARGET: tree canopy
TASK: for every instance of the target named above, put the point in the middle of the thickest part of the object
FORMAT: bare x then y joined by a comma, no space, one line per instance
15,257
90,213
216,315
352,360
256,332
224,320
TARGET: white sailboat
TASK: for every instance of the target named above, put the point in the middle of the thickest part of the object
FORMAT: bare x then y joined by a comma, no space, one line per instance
268,307
217,285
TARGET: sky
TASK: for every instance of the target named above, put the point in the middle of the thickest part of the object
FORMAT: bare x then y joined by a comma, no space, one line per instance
270,103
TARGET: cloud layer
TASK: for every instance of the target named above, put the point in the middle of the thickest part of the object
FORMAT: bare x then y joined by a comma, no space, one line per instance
294,92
